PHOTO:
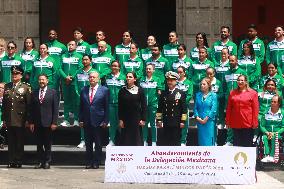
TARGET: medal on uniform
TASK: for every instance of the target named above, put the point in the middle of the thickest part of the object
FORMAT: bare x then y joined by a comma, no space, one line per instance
21,90
177,96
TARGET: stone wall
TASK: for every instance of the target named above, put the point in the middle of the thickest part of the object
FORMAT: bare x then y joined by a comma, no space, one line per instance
207,16
19,19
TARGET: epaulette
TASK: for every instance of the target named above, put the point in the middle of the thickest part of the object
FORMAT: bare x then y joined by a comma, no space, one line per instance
26,83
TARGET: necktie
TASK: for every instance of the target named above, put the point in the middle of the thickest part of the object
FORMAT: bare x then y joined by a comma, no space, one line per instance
41,96
92,94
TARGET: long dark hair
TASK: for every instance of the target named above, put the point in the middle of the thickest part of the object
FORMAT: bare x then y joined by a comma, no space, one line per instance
204,39
250,46
33,42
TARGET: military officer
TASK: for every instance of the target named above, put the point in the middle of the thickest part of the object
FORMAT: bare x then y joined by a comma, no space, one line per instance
172,111
15,113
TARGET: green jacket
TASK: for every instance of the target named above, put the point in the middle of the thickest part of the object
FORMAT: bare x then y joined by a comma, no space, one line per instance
2,55
101,62
185,62
272,122
217,87
94,49
275,54
194,54
150,88
277,78
29,58
135,65
6,64
56,50
146,53
264,99
231,77
121,52
170,52
114,84
83,47
252,68
71,63
161,67
221,69
218,46
47,66
187,87
258,47
82,78
197,71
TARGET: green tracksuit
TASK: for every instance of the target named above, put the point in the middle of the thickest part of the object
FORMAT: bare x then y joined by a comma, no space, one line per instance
29,58
94,49
275,54
101,62
253,70
82,80
2,55
83,47
121,52
150,88
194,54
47,66
6,64
271,122
218,46
197,72
231,77
277,78
264,99
71,63
135,65
187,87
146,53
161,67
114,84
185,62
258,47
56,49
170,52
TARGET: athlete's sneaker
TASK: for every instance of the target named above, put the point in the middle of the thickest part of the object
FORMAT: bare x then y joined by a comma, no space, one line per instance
145,143
111,143
154,144
266,159
81,145
76,123
94,145
228,144
182,144
270,159
65,123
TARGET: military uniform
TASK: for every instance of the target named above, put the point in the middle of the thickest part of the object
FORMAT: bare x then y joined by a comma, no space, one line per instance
15,112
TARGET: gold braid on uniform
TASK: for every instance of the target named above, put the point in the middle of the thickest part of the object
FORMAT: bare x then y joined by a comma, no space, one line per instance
183,117
159,116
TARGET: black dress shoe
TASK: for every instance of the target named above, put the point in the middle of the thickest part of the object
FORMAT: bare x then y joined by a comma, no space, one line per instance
46,166
11,165
95,166
39,166
88,167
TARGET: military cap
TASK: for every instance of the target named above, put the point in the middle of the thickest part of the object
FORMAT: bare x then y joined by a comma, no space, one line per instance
172,75
16,69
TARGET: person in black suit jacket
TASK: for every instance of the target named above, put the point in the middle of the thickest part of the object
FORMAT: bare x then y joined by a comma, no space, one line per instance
93,116
44,120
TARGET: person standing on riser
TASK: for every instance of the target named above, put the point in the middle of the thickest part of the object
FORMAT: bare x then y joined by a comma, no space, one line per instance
9,60
28,54
82,46
201,41
101,61
231,77
170,51
182,59
44,64
100,36
122,51
147,52
134,63
161,63
275,50
71,63
152,89
223,42
114,82
258,45
82,80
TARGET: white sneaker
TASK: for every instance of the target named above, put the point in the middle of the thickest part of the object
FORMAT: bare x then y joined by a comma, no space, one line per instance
228,144
182,144
254,138
81,145
145,143
94,145
220,126
266,159
111,143
154,144
270,159
65,123
76,123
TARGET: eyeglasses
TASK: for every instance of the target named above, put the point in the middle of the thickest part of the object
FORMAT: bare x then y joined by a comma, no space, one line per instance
10,47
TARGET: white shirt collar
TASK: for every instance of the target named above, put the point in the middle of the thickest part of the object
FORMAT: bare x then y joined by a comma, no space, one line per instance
271,113
95,87
44,89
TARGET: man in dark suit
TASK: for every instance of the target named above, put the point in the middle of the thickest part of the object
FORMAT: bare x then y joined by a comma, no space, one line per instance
93,116
44,120
15,114
172,111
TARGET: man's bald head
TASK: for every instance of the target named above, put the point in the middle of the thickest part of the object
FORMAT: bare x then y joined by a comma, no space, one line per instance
102,46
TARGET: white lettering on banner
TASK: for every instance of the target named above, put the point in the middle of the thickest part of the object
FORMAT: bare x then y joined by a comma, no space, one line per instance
274,47
115,82
178,64
27,57
159,65
94,50
101,60
43,63
9,63
146,56
246,62
148,85
182,87
275,117
221,69
231,77
70,60
256,46
200,66
83,77
81,49
54,50
131,64
220,48
194,54
122,50
172,164
171,52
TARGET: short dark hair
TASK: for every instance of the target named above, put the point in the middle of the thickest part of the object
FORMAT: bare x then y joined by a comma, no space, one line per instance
226,27
157,45
114,62
279,26
89,56
42,74
182,46
279,100
252,26
79,29
12,42
174,33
